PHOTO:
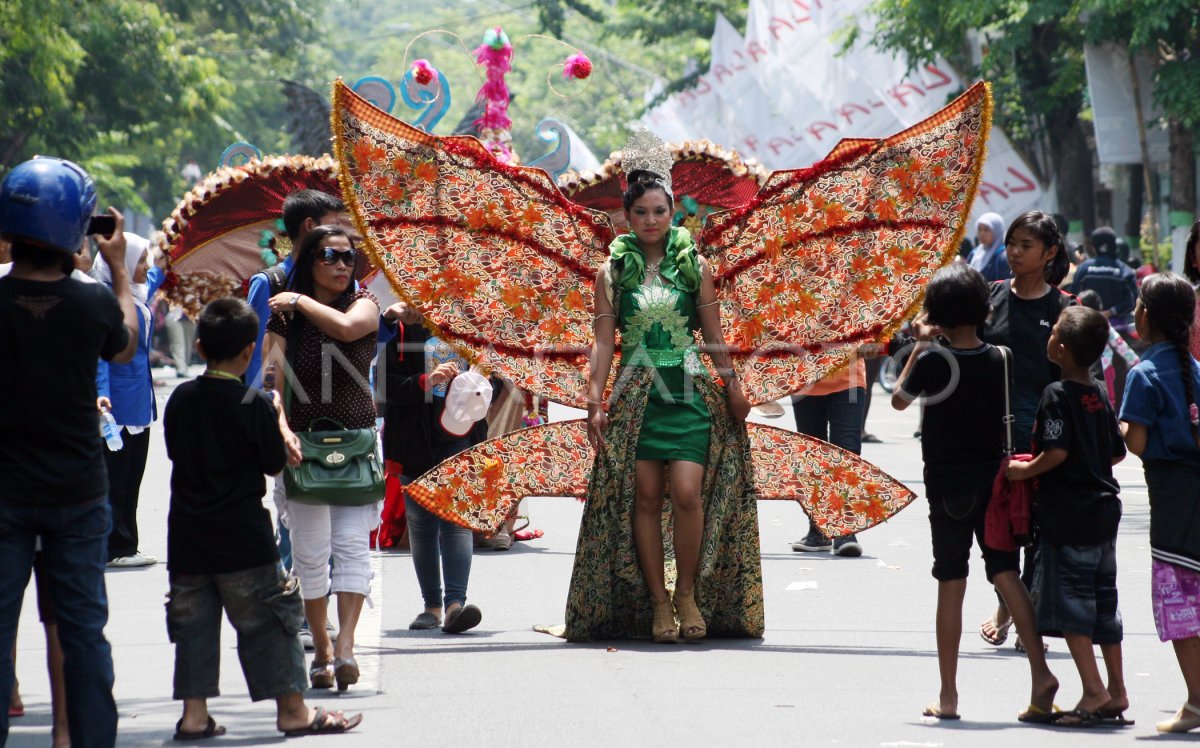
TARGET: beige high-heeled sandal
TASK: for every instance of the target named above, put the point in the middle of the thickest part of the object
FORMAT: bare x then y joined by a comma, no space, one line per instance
691,623
663,628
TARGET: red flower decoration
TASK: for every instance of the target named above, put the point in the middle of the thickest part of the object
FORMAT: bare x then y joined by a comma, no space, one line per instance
423,72
577,66
171,281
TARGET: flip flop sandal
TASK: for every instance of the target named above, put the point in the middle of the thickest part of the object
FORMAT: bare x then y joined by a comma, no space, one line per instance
326,722
425,621
462,619
1020,645
211,730
1001,634
1078,718
934,711
1035,715
1110,718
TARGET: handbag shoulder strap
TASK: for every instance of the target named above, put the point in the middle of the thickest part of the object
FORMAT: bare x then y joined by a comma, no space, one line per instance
1009,418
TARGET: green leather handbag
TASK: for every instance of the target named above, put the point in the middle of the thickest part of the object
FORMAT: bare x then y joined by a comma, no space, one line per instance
340,467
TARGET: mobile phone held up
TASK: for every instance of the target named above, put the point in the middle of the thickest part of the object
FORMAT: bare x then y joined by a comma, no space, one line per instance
102,225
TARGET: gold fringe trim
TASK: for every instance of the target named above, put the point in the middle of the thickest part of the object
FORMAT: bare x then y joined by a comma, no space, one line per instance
692,150
950,249
228,178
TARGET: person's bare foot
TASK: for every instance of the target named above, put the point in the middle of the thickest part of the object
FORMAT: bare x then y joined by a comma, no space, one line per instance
1042,694
946,707
193,721
295,719
1094,702
15,704
1118,702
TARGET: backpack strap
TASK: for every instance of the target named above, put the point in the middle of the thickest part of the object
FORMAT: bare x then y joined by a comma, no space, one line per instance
276,277
1009,418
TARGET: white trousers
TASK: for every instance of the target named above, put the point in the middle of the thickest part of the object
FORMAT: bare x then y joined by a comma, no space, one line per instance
343,532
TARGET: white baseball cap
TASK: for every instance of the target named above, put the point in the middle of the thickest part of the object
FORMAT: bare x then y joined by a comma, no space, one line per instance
467,401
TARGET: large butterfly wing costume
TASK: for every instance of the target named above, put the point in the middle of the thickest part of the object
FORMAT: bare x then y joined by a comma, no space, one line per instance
821,261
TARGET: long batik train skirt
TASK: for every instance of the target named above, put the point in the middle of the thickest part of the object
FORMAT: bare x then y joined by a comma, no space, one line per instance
608,598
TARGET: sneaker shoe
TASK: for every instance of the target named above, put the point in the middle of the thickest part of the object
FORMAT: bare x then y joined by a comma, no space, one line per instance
847,546
306,639
813,542
129,562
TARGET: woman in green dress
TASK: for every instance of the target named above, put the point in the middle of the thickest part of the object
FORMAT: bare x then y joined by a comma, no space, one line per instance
667,428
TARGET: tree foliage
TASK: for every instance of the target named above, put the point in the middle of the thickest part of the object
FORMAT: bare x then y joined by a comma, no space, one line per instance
1032,53
1170,31
133,89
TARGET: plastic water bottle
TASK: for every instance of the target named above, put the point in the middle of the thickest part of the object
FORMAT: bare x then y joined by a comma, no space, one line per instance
110,431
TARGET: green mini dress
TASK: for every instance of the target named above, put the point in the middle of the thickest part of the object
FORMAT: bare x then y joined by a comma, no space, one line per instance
657,323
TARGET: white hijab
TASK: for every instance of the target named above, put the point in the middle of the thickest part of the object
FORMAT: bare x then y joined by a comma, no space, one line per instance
134,247
983,253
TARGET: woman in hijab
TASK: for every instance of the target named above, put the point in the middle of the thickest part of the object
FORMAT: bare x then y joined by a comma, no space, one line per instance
127,391
988,256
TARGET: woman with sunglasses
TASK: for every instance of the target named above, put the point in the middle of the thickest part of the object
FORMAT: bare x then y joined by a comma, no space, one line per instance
323,330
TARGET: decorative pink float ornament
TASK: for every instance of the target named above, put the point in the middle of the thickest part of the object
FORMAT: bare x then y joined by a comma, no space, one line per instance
494,125
423,72
577,66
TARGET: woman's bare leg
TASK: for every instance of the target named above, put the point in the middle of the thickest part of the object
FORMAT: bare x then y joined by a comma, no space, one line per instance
647,526
687,479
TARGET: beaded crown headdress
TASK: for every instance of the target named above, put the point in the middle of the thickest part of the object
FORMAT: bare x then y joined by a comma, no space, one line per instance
645,151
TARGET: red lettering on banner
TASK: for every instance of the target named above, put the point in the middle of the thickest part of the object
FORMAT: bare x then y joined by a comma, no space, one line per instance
702,86
901,92
756,50
739,65
986,189
721,72
847,109
778,144
1026,184
875,104
817,128
685,97
751,142
806,9
941,78
777,25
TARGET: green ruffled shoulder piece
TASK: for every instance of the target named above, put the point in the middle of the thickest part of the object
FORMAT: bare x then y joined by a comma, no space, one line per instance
680,266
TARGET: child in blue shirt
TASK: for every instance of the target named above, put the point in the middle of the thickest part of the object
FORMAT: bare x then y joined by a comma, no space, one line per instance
1161,424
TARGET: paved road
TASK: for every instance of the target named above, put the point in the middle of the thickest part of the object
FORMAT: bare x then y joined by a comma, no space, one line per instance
848,658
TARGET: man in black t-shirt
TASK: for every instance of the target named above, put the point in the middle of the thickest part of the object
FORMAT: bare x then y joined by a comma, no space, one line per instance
53,330
1076,443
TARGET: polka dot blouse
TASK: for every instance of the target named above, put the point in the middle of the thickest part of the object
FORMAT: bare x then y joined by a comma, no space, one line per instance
331,378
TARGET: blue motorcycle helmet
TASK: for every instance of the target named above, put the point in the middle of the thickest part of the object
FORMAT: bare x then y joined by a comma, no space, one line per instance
47,202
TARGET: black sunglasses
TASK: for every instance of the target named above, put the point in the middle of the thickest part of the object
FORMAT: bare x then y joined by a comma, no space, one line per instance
329,256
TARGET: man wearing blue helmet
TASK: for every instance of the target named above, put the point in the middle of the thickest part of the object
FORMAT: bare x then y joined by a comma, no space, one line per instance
53,330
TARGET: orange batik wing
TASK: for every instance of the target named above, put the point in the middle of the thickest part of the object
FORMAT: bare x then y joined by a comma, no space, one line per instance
501,263
835,256
477,488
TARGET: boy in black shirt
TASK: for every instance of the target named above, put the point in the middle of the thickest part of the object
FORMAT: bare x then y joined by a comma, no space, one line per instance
962,445
1076,442
223,438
